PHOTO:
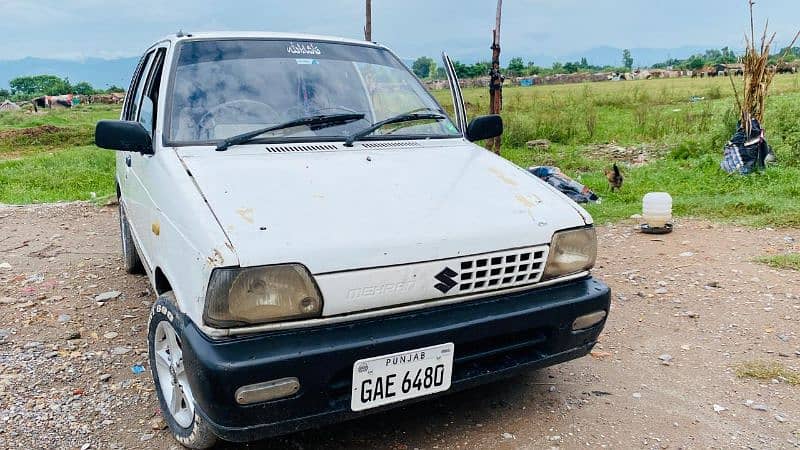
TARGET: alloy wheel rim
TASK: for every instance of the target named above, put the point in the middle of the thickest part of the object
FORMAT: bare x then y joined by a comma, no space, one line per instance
172,375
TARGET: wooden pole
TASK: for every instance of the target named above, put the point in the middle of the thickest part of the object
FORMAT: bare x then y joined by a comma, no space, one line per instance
368,26
496,78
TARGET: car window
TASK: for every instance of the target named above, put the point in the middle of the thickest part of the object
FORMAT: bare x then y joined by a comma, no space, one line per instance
147,109
228,87
137,87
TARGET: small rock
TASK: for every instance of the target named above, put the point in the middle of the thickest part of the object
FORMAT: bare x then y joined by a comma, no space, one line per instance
5,266
32,344
7,300
542,144
661,291
665,358
551,389
146,437
157,423
780,418
105,377
788,239
760,407
86,446
712,284
508,436
73,334
637,395
63,318
686,254
119,350
718,408
106,296
110,335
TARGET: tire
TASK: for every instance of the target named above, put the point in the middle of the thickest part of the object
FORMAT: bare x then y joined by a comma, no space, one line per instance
172,387
130,257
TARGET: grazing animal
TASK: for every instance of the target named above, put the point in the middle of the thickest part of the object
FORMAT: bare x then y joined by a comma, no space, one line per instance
615,177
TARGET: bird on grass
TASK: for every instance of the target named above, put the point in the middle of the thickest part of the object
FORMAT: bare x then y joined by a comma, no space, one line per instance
615,177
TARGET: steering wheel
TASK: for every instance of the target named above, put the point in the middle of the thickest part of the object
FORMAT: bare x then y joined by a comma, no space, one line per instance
258,111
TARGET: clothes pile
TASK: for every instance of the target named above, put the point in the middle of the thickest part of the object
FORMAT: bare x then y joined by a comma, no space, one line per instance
569,187
745,153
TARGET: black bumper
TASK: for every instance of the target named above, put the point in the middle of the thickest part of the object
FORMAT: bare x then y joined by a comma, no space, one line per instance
494,337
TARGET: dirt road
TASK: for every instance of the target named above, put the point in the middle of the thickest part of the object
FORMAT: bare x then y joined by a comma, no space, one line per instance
687,308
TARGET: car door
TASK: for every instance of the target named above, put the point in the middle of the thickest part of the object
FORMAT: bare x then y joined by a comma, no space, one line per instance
132,192
145,111
455,92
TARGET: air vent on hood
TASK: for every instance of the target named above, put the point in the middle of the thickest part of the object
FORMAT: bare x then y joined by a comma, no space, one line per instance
301,148
392,144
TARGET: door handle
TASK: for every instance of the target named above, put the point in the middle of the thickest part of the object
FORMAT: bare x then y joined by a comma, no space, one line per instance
128,160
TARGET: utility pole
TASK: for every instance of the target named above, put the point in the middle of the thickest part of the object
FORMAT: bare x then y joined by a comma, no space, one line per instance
368,26
496,79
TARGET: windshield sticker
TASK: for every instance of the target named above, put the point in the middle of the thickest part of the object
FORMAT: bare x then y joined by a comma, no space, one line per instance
297,48
306,61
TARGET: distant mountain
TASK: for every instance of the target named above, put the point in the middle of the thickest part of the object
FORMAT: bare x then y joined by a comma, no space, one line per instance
642,57
100,73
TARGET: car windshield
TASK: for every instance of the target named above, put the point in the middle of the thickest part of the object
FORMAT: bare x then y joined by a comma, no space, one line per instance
223,88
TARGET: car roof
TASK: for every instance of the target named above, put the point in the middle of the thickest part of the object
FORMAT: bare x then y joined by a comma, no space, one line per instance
211,35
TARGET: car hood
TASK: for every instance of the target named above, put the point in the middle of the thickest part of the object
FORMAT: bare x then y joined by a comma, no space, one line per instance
351,208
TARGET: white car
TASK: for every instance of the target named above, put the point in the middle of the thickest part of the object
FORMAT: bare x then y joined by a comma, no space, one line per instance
327,242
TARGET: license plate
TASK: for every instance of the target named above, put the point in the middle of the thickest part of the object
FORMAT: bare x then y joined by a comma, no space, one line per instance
400,376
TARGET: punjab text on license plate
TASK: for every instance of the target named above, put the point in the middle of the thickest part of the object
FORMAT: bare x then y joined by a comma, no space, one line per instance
400,376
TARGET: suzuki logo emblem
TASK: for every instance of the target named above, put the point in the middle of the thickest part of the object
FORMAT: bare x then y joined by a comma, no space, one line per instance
446,281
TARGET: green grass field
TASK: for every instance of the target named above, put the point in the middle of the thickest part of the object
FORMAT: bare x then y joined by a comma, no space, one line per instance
50,156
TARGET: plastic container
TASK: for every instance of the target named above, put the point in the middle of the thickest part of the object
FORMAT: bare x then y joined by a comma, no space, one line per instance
657,209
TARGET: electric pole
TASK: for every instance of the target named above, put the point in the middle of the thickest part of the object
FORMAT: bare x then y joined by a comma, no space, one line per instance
368,26
496,79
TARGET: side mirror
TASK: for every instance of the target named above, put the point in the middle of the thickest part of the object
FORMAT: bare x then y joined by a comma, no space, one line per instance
123,135
484,127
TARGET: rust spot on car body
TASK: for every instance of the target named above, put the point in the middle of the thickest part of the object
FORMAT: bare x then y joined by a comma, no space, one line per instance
156,228
503,177
216,259
246,214
528,201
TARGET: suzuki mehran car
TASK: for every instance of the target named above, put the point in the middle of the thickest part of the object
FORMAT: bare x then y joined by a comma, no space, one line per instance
326,241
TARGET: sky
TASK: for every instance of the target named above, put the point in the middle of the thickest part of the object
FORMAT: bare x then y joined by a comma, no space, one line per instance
76,29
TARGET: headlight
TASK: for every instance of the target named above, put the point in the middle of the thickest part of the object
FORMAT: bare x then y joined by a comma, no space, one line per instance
237,297
571,252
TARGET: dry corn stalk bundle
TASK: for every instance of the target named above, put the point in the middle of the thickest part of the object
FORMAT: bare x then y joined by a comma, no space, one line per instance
758,73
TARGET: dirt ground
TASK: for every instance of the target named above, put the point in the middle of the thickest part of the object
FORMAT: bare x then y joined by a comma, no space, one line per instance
687,308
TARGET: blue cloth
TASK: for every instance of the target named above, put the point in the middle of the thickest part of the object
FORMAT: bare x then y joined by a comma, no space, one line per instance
566,185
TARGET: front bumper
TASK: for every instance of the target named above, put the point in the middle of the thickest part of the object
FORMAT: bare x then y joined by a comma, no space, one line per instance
494,337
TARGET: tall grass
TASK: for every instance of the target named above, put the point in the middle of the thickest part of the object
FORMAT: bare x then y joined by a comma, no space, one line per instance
667,111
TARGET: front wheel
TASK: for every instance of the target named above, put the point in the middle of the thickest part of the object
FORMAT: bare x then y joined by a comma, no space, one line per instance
172,385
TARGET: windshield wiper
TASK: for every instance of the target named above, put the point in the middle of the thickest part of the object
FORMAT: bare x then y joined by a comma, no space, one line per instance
406,117
325,119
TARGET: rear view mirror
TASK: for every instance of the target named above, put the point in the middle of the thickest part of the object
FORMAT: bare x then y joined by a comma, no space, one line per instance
123,135
484,127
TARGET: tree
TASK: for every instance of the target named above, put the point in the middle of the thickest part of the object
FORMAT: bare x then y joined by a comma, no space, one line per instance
695,62
114,89
4,94
627,59
40,84
83,88
422,66
516,66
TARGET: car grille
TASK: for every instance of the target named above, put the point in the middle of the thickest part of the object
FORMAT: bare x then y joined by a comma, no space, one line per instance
500,270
